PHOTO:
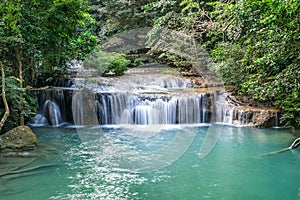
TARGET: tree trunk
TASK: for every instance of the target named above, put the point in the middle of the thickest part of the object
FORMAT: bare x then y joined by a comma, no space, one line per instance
6,113
21,87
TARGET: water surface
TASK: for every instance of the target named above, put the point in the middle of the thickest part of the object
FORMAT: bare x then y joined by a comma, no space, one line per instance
106,163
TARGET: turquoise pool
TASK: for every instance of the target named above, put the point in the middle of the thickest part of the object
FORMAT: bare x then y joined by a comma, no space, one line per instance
113,163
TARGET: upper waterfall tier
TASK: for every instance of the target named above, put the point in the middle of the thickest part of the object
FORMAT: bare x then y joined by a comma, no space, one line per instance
142,79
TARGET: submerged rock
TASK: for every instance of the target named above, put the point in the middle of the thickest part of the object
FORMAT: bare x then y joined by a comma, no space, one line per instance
19,138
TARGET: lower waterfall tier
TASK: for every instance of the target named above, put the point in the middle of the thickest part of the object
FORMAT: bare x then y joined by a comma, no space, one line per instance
80,107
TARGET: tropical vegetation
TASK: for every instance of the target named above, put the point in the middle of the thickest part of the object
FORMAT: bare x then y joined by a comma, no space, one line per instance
37,38
255,44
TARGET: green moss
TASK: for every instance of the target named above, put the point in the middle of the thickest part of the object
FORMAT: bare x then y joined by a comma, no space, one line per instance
19,138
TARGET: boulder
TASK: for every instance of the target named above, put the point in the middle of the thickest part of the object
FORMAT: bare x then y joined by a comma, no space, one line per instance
19,138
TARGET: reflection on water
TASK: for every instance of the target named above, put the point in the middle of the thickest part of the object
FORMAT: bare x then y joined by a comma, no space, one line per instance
105,163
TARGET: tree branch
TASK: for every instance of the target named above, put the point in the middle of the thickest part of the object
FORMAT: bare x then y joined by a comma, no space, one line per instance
6,114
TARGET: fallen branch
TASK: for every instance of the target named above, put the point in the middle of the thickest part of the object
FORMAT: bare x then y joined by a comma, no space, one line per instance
294,145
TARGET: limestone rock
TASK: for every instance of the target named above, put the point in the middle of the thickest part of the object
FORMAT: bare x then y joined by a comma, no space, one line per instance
19,138
255,116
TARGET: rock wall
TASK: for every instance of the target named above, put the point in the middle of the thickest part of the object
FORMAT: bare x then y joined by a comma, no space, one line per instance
255,116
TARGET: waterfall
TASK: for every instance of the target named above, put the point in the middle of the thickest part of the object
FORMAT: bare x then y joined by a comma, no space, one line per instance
52,112
223,111
38,120
193,109
74,106
126,108
143,96
53,108
77,109
276,120
121,108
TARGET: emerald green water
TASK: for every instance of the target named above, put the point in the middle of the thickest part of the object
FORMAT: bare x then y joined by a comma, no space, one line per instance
105,163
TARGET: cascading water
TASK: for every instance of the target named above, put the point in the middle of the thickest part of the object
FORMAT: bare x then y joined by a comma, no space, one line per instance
123,108
78,115
137,98
52,112
54,106
223,110
126,108
49,109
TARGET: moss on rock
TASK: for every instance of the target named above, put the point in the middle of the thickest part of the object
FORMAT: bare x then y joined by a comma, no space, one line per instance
19,138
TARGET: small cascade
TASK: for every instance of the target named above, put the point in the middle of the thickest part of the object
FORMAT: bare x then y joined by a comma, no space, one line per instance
52,112
54,108
254,116
242,117
49,114
276,120
223,111
126,108
193,109
77,109
38,120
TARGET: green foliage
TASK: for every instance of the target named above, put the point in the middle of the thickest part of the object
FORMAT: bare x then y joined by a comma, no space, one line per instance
13,98
140,57
106,62
137,61
45,34
173,60
9,30
189,5
167,14
117,16
171,20
118,65
64,32
98,60
48,33
227,57
260,43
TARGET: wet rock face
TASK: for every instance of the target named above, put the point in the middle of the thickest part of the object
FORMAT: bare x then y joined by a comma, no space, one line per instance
19,138
255,116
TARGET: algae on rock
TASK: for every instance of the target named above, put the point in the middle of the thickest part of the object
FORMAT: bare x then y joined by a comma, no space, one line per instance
19,138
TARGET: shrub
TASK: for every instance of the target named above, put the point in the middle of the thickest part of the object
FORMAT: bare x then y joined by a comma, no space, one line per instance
106,62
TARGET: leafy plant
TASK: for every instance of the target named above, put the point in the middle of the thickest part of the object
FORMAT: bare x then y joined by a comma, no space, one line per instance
106,62
259,51
118,65
13,97
36,40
